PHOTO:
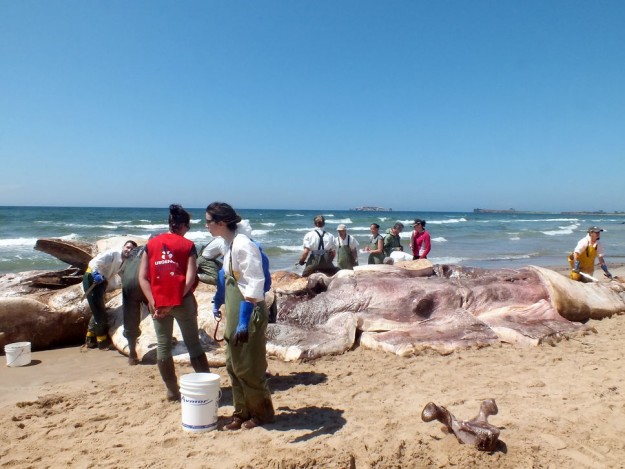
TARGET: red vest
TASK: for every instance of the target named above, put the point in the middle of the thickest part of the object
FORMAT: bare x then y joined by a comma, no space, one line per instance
168,257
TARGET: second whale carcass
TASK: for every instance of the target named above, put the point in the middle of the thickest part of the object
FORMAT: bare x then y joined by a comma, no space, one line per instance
406,309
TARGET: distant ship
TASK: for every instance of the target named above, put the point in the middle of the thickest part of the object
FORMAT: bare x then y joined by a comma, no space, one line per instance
368,208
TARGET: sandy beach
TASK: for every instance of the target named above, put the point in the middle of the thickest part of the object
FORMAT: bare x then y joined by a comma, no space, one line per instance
559,406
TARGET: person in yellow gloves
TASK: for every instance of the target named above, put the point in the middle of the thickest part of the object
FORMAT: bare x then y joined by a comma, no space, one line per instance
587,250
102,275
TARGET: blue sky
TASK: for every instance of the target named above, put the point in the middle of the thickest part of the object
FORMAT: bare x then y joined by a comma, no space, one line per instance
414,105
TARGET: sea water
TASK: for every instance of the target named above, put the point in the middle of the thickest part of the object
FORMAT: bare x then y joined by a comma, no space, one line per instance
490,240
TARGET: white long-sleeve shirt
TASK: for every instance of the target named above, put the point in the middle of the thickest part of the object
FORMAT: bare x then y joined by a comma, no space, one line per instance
108,264
247,267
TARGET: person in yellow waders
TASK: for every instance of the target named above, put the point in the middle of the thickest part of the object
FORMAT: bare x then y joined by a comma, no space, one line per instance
582,259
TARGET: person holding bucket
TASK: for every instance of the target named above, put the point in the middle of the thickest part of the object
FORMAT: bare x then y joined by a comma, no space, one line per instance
243,292
168,278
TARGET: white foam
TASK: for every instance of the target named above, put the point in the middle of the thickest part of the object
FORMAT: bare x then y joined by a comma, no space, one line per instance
444,222
268,224
439,239
564,230
345,221
290,248
203,235
150,227
408,223
445,260
18,242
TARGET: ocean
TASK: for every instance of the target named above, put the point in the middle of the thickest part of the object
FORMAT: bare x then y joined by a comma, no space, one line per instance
489,240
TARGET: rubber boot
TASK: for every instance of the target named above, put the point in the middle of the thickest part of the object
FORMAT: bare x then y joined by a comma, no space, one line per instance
132,352
90,340
200,364
168,373
104,343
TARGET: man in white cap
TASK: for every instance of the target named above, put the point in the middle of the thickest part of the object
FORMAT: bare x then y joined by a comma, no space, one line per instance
347,249
583,258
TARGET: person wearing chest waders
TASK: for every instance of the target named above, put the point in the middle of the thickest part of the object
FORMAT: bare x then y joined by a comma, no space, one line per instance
101,276
319,250
347,249
375,248
168,278
587,250
210,260
133,300
392,241
243,292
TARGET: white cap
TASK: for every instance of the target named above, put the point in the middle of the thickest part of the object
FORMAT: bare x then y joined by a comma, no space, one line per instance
341,227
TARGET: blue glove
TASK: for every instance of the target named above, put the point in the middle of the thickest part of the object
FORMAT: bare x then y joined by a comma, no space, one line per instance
242,335
219,297
576,267
97,277
605,269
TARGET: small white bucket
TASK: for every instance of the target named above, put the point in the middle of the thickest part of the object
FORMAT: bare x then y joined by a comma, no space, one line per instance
199,396
18,353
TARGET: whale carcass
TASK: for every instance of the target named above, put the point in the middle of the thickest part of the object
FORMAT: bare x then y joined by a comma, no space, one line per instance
405,309
408,310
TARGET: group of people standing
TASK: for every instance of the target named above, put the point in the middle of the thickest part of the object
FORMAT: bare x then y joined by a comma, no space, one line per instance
321,247
164,275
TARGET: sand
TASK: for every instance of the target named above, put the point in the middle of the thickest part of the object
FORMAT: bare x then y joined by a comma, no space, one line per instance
559,406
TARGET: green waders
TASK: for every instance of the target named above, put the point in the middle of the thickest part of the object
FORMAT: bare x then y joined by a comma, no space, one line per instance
375,258
98,324
246,363
345,256
207,270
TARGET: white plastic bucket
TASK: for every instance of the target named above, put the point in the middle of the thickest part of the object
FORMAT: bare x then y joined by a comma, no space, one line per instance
18,353
199,396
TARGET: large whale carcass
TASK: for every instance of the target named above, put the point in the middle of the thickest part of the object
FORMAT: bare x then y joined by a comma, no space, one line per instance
404,309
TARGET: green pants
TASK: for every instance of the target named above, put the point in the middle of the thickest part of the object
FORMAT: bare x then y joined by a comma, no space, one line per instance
186,317
98,324
132,299
247,363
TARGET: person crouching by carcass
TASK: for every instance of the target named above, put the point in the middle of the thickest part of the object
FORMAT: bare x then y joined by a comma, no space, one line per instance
101,276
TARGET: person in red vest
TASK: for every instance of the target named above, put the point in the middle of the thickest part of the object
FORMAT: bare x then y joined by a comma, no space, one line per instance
420,243
168,278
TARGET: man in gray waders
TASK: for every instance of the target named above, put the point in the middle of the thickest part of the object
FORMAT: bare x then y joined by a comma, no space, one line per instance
102,275
319,250
210,260
347,249
132,301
